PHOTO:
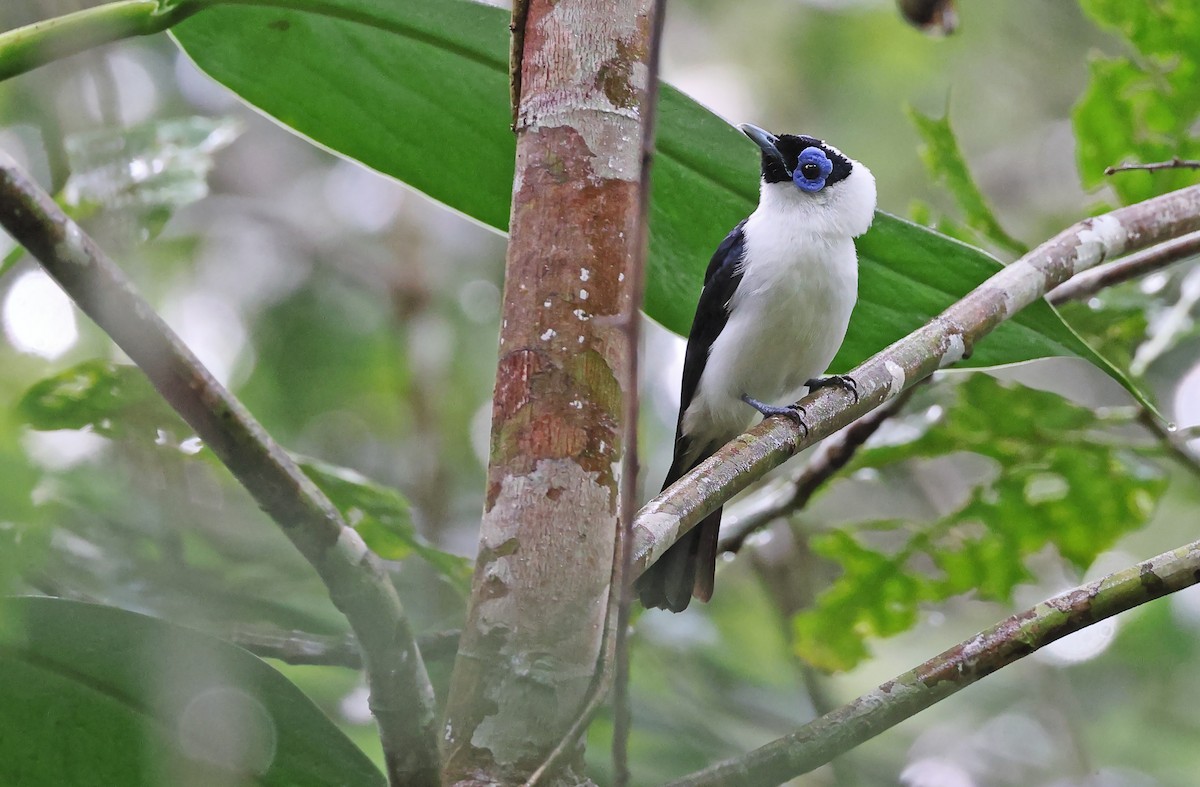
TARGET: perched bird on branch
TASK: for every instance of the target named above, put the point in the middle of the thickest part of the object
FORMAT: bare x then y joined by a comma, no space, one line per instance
776,301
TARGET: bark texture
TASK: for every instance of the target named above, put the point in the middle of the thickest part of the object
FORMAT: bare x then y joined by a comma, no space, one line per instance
536,617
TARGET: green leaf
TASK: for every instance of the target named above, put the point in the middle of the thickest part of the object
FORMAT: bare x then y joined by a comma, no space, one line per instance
1142,109
108,398
98,695
1061,480
946,164
381,516
1164,29
898,286
11,259
1114,322
419,91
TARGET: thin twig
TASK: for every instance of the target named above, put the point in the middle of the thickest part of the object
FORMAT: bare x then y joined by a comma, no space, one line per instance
943,341
401,695
296,647
837,732
1174,442
1090,282
623,581
305,648
1174,163
831,456
516,55
1132,266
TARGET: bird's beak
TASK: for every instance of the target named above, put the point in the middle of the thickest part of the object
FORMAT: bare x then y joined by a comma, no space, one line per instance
765,140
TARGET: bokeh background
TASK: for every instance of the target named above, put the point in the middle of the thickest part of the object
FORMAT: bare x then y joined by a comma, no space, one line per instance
358,321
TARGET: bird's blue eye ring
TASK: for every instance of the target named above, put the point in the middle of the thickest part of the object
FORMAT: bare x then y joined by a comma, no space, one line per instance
812,168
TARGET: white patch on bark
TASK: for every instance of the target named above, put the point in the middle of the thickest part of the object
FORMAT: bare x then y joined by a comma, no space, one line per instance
1105,237
538,590
351,544
1023,283
953,350
662,529
897,373
70,248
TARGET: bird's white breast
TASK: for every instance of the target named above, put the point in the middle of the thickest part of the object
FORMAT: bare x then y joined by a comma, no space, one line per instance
787,320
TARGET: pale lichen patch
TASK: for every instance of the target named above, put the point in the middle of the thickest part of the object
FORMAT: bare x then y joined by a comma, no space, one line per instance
1022,284
896,371
70,248
351,544
953,350
662,529
1104,236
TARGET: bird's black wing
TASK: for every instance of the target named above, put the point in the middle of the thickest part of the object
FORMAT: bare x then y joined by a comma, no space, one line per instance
689,566
720,283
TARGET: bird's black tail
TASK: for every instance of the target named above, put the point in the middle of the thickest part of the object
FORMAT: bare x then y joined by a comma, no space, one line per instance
688,568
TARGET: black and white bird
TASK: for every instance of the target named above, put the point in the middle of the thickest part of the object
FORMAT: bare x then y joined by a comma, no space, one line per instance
776,301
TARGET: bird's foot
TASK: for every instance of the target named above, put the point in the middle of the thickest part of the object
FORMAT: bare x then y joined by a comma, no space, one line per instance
843,381
793,411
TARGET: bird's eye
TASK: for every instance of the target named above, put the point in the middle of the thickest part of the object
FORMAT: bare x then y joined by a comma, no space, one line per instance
812,169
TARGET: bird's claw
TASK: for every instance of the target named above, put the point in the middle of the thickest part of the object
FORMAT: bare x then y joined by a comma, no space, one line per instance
793,412
843,381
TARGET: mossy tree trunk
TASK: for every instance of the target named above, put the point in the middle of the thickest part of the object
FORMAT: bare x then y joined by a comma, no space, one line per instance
537,608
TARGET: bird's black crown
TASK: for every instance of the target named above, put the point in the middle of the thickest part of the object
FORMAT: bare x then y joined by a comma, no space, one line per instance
790,146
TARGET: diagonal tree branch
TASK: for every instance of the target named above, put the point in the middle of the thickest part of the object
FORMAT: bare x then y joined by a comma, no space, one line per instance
830,457
1133,266
1173,442
401,695
942,342
837,732
323,650
836,452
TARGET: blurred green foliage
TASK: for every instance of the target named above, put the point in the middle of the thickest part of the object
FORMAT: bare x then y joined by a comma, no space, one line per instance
102,397
382,517
117,400
945,162
1143,107
1056,479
